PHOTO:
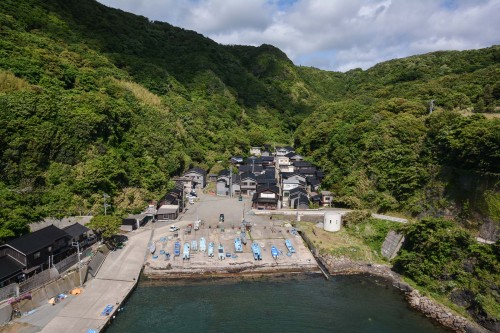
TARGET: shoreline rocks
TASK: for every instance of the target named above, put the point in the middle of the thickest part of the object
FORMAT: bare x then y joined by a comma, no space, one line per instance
430,308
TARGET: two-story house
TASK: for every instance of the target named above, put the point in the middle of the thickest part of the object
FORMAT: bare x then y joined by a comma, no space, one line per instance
33,252
198,175
227,184
248,183
266,197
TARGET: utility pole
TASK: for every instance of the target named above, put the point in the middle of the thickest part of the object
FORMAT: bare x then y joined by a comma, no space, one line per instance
230,181
79,262
105,197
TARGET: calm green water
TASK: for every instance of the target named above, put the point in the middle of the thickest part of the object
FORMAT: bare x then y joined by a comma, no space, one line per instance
343,304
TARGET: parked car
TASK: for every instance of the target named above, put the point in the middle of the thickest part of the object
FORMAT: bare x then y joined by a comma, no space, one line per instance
173,228
221,218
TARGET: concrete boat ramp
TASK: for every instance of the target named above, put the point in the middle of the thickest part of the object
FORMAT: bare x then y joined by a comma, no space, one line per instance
116,278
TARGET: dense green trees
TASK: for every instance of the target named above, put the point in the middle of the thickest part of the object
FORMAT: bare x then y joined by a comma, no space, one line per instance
445,259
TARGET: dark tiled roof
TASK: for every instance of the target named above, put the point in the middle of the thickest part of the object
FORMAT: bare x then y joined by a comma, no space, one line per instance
264,188
37,240
303,199
9,267
257,169
267,158
311,170
298,189
316,197
290,154
224,173
197,170
76,230
253,160
302,164
250,175
266,176
245,168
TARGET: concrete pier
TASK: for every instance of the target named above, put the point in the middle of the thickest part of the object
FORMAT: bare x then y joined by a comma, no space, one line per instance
117,277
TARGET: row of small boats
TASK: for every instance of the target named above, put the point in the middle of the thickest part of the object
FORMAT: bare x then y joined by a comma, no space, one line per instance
238,248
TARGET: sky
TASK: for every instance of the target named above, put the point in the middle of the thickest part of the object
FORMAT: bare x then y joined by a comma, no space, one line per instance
336,35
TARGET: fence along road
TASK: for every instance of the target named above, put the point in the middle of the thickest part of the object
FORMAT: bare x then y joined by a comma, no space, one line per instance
116,278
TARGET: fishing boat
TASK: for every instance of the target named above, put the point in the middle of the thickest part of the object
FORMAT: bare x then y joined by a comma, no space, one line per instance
256,251
177,249
222,255
237,245
194,245
203,245
274,252
289,246
186,251
152,248
211,246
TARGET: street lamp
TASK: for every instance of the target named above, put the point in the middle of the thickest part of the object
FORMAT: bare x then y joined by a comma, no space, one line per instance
77,244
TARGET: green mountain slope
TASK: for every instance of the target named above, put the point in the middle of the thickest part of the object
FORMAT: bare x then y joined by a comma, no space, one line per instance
98,100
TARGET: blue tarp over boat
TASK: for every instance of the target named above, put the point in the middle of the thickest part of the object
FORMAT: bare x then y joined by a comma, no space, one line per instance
186,251
274,252
203,244
177,249
256,251
237,245
211,246
289,246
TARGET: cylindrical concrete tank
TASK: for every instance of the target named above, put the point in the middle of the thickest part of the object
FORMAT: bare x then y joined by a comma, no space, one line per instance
333,221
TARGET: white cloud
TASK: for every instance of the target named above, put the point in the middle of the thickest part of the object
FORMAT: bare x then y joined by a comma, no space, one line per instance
334,34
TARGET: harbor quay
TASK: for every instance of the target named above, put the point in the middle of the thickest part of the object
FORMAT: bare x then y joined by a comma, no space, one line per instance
103,296
201,225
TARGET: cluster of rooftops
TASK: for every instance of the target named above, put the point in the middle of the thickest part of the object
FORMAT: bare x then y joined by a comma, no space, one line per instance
275,178
281,179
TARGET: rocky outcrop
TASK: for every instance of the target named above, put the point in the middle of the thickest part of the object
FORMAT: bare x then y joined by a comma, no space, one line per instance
441,314
432,309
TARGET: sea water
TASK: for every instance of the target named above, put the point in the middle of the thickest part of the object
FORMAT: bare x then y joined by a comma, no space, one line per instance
313,304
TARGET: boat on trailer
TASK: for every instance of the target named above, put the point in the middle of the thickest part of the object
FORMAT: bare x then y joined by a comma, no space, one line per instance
211,247
177,249
203,244
256,251
274,252
289,246
186,252
237,245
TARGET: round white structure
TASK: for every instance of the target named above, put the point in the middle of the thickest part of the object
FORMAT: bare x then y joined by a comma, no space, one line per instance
333,221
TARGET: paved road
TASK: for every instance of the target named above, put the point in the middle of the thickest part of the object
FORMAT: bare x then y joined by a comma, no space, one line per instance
116,278
209,207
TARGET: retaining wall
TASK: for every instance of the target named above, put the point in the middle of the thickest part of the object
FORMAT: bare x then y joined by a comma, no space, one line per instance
5,313
41,295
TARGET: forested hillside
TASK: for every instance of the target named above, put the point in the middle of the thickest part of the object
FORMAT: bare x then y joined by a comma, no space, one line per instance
95,100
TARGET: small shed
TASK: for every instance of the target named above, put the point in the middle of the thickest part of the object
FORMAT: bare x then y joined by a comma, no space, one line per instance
167,212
